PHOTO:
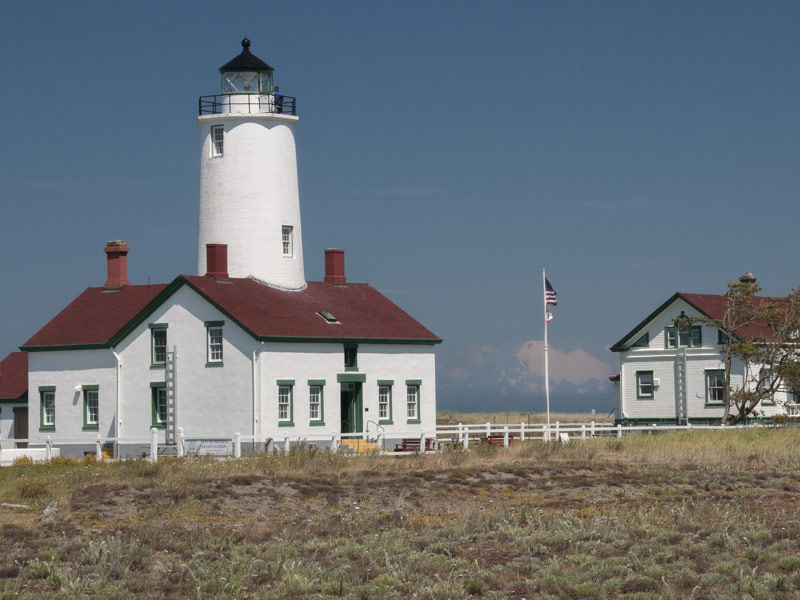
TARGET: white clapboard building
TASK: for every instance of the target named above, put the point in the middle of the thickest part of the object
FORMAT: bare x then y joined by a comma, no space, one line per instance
246,345
675,375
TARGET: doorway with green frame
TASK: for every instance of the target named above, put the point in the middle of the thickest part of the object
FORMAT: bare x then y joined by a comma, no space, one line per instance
352,408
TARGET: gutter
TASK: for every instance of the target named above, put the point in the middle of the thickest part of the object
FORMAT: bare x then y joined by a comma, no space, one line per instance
117,419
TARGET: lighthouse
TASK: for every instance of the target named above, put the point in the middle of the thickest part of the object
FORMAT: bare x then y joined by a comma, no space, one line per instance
249,198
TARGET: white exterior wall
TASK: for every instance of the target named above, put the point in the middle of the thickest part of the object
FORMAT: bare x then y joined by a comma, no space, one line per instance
210,400
7,423
248,194
65,370
302,362
663,363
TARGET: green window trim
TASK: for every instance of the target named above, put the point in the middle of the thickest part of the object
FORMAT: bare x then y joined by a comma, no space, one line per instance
289,422
320,383
415,383
389,383
155,386
351,357
708,375
43,391
695,331
639,376
210,362
156,330
20,409
86,425
351,378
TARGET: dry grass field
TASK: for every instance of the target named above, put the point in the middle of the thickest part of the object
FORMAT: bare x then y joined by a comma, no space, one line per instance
680,515
515,418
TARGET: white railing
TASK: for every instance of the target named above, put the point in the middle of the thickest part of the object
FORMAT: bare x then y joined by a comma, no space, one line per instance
457,436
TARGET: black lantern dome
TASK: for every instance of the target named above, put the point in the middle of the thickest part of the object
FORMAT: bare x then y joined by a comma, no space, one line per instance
247,74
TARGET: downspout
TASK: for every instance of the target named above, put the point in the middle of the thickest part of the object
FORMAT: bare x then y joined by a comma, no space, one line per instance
256,394
117,419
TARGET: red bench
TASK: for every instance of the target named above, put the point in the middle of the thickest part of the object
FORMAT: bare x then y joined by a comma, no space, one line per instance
498,439
412,445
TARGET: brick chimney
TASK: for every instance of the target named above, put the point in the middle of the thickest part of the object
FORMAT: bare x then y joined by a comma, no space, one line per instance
334,266
217,260
117,262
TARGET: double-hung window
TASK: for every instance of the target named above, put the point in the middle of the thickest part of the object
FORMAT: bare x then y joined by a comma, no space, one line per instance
412,401
287,232
385,402
158,345
214,343
645,385
91,406
47,415
217,140
285,403
351,357
715,387
316,406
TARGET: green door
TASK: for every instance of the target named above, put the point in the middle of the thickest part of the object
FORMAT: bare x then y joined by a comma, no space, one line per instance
352,417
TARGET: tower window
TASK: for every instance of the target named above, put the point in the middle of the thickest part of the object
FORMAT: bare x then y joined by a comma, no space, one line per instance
286,238
217,140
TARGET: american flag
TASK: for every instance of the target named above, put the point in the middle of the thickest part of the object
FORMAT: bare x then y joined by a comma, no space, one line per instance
549,294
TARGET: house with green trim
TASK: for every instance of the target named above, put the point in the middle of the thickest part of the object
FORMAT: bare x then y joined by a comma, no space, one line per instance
213,356
676,375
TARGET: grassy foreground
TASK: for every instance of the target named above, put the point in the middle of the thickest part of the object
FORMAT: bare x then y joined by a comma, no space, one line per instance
515,418
683,515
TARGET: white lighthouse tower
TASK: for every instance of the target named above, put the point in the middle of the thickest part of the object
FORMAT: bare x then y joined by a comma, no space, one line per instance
249,196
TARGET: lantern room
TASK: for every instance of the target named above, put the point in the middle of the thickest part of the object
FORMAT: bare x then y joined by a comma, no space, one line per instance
247,74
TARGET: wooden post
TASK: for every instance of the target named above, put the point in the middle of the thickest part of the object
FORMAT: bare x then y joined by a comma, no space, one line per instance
422,443
505,436
592,427
583,432
48,448
237,445
380,442
98,448
558,430
465,439
522,431
619,430
286,444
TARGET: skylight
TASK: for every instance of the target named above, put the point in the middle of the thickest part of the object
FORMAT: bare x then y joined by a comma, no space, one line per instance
328,316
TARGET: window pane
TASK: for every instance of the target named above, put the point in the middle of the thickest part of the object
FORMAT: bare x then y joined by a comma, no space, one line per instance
49,408
645,384
696,342
315,396
215,344
383,402
92,407
286,238
283,402
411,401
159,346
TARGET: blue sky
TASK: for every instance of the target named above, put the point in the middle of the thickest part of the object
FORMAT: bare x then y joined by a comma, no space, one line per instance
453,149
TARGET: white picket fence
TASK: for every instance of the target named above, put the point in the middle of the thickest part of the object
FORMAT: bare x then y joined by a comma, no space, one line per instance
456,436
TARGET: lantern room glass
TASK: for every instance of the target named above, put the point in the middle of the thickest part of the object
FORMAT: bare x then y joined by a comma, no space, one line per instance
247,82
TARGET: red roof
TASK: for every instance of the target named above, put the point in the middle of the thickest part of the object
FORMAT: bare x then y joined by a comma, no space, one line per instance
714,306
14,376
97,316
361,311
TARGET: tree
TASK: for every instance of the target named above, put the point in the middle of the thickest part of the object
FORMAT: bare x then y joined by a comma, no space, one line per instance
763,334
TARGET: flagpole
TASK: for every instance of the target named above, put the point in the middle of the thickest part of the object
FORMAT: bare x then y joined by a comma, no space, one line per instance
546,373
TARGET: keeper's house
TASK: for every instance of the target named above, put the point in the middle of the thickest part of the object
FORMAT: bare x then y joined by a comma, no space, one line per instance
245,346
673,375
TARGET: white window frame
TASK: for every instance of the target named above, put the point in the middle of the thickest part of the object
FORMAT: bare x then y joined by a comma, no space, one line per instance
158,345
217,141
287,240
49,409
92,399
285,403
315,402
412,402
214,342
